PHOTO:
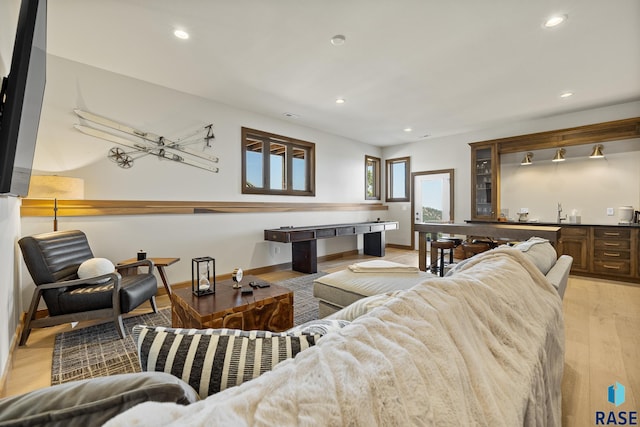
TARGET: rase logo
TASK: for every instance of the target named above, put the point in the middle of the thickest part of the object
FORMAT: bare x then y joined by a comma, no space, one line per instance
615,396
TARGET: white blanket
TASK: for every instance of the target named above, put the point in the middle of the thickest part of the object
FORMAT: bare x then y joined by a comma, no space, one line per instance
382,266
482,347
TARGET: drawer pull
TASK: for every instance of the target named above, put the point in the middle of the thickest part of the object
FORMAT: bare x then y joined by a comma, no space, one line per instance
611,254
608,233
611,244
611,267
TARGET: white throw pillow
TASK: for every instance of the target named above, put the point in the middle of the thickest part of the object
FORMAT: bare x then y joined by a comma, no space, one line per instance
95,267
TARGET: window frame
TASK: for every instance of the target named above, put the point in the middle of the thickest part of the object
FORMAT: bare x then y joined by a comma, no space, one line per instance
377,162
390,179
290,144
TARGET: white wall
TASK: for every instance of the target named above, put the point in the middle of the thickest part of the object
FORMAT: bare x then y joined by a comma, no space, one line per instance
586,186
149,107
10,306
235,240
619,182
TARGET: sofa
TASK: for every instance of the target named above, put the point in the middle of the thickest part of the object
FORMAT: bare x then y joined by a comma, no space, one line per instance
482,346
343,288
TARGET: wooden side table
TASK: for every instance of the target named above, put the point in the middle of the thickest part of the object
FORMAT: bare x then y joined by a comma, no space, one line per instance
160,264
266,309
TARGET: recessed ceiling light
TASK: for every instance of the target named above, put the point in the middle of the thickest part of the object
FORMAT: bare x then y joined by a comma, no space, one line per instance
338,40
407,129
555,20
340,101
566,94
181,34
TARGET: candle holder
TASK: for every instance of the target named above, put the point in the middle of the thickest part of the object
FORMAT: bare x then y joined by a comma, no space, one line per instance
203,276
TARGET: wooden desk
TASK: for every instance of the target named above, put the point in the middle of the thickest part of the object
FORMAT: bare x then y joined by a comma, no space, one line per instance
266,309
506,231
303,240
160,264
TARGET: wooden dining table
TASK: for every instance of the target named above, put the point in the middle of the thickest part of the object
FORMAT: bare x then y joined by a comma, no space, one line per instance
518,232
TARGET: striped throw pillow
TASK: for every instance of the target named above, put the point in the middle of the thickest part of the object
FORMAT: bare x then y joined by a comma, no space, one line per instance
320,326
211,360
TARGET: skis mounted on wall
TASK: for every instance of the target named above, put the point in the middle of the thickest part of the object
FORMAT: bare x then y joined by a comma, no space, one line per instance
150,143
124,158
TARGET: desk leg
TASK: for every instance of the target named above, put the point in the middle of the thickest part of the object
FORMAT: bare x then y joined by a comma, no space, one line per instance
163,276
374,243
422,251
304,256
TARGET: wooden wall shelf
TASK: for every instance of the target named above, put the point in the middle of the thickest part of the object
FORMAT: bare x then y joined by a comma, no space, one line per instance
616,130
44,207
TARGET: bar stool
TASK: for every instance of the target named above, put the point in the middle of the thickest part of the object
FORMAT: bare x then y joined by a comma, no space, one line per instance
456,242
441,245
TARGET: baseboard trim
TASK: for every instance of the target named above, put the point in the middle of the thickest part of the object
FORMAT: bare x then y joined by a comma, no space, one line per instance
394,246
12,348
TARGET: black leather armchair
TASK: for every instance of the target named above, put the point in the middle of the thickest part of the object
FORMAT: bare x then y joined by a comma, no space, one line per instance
53,260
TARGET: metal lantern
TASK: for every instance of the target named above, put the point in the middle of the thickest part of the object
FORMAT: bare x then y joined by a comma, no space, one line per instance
203,276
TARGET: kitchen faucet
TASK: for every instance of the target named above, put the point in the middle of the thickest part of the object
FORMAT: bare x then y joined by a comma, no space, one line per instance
560,217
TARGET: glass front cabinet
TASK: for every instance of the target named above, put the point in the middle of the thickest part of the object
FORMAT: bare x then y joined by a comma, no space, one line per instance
485,173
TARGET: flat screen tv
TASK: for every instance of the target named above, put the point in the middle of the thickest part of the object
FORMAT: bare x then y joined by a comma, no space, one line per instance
21,98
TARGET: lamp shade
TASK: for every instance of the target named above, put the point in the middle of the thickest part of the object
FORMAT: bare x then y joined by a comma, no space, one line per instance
55,187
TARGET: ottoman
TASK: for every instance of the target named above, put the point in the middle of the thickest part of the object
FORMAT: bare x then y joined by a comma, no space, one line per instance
337,290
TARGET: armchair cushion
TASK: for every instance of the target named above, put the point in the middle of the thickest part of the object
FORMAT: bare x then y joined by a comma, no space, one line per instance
135,290
56,256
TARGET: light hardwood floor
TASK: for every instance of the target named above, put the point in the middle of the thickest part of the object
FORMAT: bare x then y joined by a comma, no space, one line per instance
602,320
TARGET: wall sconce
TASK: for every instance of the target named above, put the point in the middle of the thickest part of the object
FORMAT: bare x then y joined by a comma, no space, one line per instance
527,159
597,152
55,187
559,157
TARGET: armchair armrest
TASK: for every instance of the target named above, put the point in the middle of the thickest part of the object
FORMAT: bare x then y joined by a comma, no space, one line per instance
142,263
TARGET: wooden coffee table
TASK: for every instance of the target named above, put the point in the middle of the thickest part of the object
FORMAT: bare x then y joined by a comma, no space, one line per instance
268,309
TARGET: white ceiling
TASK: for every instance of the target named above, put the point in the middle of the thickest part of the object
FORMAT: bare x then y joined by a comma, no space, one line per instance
439,67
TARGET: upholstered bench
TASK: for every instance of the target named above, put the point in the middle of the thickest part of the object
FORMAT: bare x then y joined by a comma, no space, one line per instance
337,290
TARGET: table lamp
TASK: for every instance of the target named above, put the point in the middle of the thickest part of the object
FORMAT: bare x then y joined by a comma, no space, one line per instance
55,187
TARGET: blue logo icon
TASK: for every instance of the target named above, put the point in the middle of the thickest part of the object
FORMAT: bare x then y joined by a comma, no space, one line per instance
616,394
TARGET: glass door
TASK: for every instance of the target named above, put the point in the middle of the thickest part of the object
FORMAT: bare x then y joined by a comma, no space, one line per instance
483,182
484,175
432,197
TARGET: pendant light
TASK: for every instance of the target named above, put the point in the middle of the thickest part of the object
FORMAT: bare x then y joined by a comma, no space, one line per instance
597,152
559,157
527,159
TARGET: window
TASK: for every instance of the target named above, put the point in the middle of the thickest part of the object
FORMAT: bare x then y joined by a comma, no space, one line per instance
371,178
287,169
398,171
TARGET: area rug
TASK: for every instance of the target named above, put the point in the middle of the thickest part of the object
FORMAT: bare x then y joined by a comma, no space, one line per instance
305,305
98,351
